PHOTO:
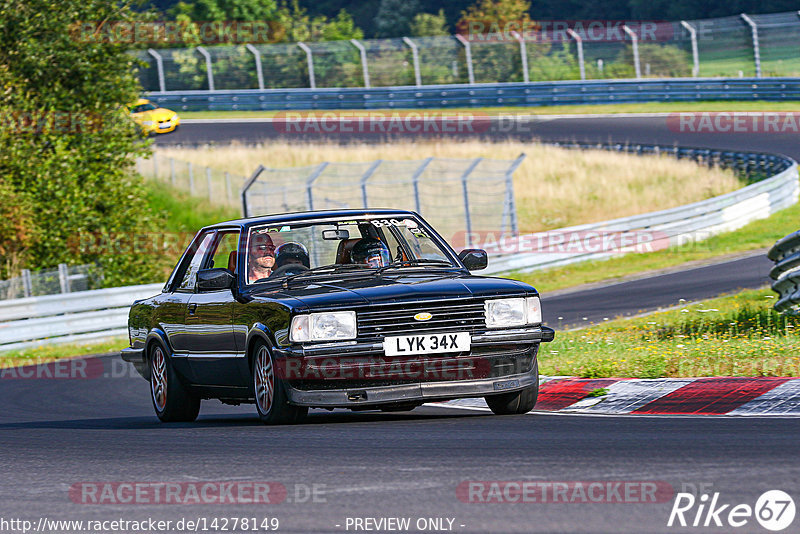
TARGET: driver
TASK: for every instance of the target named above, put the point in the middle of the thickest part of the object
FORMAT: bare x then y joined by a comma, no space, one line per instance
261,257
291,254
372,252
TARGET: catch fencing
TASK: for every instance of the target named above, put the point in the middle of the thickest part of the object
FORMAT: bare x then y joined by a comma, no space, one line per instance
743,46
64,279
786,273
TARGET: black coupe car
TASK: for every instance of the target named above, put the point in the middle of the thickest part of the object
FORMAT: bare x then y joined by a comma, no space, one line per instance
359,309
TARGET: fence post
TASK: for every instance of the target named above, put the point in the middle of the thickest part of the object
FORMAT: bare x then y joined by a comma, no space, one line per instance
415,181
191,178
209,72
63,277
510,202
250,181
468,52
259,70
579,42
756,50
27,289
310,184
635,44
367,175
208,183
364,66
695,56
523,54
228,193
415,55
312,82
465,191
159,68
172,170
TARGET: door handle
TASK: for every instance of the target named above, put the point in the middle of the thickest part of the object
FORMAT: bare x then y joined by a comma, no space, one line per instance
192,309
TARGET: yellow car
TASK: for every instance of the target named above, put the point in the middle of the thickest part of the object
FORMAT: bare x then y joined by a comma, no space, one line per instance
153,119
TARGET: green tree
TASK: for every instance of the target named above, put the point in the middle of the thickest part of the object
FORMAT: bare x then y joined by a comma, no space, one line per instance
227,10
394,17
67,148
429,25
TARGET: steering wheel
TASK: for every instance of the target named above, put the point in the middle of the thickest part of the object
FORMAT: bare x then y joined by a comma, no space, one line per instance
289,268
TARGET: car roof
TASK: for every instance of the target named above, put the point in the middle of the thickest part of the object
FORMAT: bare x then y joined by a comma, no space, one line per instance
283,218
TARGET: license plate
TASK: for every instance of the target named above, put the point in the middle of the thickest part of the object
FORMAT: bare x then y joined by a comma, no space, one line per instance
165,125
426,344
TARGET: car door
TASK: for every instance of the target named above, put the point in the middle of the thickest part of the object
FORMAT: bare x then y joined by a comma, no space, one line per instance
209,323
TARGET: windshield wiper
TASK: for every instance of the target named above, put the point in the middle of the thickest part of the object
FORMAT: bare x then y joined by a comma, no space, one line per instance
415,261
325,269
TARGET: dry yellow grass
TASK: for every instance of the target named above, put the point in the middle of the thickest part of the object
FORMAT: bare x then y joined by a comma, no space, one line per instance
554,187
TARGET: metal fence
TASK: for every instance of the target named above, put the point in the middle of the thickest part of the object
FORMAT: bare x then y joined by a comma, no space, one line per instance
786,273
64,279
744,46
218,187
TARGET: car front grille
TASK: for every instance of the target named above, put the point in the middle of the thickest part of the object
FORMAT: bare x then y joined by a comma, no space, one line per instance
378,321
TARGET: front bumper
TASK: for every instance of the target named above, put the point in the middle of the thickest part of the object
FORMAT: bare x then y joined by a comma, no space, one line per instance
509,358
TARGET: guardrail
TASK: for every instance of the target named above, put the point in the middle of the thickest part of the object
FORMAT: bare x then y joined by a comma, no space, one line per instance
660,229
786,273
479,95
72,317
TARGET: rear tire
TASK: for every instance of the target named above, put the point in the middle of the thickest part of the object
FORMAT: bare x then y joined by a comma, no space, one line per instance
172,401
517,402
272,402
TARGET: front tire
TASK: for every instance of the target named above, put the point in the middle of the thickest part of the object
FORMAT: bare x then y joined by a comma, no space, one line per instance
517,402
172,401
272,401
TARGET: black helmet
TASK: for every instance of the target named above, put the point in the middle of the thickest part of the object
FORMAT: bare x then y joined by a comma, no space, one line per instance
371,252
291,251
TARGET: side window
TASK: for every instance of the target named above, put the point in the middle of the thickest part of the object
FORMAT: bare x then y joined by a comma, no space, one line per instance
195,262
225,254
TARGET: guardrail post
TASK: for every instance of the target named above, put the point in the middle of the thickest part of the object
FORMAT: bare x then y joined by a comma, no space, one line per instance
159,68
310,184
579,42
228,193
208,183
312,81
756,52
364,67
63,277
523,54
367,175
172,170
27,289
415,56
250,181
468,52
259,70
695,56
209,72
635,45
191,178
415,181
465,191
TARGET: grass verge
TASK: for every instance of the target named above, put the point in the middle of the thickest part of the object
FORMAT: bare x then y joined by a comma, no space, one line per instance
49,353
751,237
739,335
583,109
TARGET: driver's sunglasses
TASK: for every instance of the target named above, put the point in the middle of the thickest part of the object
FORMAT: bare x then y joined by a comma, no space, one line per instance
265,248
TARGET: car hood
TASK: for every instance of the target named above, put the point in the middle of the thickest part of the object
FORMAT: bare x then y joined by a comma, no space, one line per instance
387,289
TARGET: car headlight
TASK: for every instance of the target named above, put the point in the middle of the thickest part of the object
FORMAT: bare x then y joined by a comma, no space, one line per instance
326,326
147,123
174,118
513,312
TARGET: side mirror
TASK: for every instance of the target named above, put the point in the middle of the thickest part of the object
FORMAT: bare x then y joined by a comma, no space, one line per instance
474,259
215,279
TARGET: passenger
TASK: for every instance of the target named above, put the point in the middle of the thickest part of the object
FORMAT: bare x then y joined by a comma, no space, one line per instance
372,252
261,257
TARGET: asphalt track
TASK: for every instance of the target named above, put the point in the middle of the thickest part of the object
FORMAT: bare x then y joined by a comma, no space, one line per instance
56,433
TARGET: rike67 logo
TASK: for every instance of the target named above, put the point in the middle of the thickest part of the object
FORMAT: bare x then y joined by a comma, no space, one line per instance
774,510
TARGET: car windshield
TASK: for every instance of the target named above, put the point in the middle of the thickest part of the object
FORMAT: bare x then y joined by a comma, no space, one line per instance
143,107
352,245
